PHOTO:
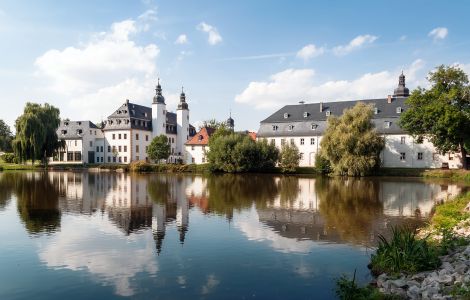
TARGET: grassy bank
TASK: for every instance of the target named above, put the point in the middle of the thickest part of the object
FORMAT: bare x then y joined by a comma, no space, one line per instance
448,174
14,167
451,213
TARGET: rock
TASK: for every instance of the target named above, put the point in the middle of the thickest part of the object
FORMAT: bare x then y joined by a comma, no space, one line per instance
413,292
446,279
381,279
460,268
399,283
411,283
398,291
447,266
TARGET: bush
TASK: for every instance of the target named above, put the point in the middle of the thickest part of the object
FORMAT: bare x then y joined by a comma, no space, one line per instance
347,289
404,253
140,166
322,165
450,213
9,158
289,158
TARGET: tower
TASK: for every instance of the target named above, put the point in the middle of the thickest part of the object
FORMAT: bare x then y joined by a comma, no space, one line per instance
158,224
158,112
230,123
401,90
182,121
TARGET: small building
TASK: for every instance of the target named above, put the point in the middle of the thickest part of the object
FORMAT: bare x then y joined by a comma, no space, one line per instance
197,146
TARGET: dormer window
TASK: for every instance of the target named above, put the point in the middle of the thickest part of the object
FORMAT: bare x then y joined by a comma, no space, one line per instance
79,123
79,131
399,110
66,123
291,127
376,110
328,113
64,131
275,127
286,115
387,124
306,114
200,137
314,126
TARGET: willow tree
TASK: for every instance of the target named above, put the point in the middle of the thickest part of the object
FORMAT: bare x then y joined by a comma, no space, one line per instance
5,137
350,143
36,136
442,112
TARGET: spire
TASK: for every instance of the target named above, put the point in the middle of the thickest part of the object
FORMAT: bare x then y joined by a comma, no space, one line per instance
158,98
182,104
401,90
230,123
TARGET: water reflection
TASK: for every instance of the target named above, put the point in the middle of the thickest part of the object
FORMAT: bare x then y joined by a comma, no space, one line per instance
117,226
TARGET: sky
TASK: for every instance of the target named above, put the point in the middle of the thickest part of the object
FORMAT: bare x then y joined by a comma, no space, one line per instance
249,58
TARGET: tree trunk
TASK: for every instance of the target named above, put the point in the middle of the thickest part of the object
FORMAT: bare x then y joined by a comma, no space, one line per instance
463,152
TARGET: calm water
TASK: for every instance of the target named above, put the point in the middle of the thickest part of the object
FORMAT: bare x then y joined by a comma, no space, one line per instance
71,235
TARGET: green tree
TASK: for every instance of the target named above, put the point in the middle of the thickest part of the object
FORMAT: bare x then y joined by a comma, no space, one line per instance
36,136
212,123
441,113
235,152
5,137
351,143
289,158
159,148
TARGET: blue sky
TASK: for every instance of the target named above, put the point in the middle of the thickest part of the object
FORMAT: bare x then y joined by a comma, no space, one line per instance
251,57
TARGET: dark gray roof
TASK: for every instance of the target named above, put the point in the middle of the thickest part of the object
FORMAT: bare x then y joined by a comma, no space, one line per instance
71,130
130,115
302,125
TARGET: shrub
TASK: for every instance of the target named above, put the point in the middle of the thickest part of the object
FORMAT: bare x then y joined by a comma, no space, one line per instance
9,158
404,252
347,289
322,165
289,158
140,166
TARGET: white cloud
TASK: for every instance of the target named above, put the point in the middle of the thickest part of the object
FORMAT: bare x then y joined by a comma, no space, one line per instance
293,85
403,38
182,39
354,44
438,33
309,52
214,36
100,74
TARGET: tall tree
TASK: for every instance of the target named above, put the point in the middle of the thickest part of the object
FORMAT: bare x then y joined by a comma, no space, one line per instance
36,136
289,158
159,148
441,113
350,143
5,137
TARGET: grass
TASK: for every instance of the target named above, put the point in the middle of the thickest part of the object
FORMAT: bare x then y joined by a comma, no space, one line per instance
13,167
451,213
404,252
461,175
347,289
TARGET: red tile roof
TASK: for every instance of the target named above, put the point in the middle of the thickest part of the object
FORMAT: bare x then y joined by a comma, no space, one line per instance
252,135
202,137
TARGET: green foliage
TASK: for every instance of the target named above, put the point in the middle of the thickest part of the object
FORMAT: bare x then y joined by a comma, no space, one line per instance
9,158
451,174
450,213
322,165
36,136
144,167
289,158
233,152
212,123
159,148
5,137
404,252
449,241
351,143
347,289
442,112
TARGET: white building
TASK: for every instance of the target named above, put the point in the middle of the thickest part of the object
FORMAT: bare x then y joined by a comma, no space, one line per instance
304,124
126,134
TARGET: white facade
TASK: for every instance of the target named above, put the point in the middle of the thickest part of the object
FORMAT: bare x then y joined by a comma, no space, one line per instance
196,154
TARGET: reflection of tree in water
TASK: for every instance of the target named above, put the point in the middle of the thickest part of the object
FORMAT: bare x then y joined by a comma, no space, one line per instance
289,188
229,192
349,206
6,185
158,189
37,200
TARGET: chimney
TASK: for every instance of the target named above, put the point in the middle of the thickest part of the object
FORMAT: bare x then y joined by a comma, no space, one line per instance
127,101
321,106
389,99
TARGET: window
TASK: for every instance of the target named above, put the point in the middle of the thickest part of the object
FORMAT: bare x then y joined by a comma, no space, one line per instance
305,114
125,136
137,148
399,110
301,156
275,127
136,136
283,142
203,160
101,148
192,147
102,158
114,136
90,132
125,159
301,141
147,137
97,159
109,159
286,115
435,156
273,142
146,148
402,156
69,156
200,137
75,143
328,113
420,155
387,124
97,149
291,127
114,159
120,148
292,142
314,126
91,144
119,136
78,156
120,159
376,110
109,148
137,157
125,148
192,160
312,141
402,140
451,157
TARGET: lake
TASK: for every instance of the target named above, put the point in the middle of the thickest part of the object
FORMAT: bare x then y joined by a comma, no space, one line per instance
83,235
